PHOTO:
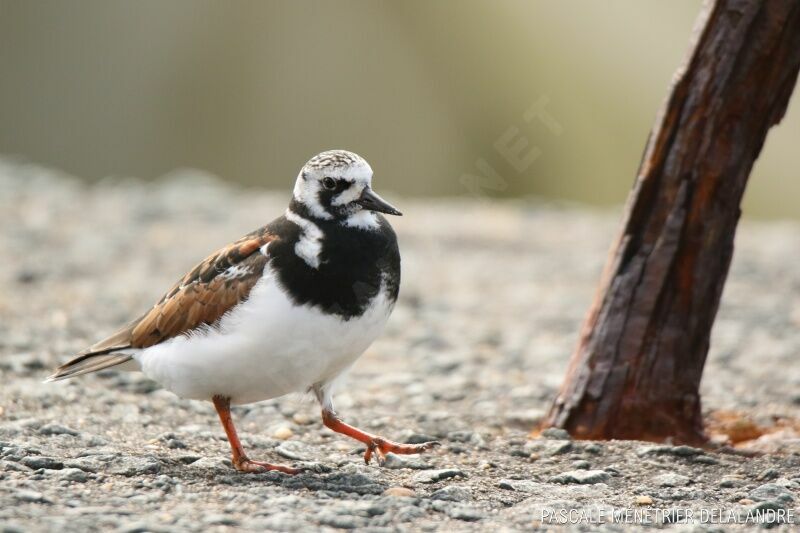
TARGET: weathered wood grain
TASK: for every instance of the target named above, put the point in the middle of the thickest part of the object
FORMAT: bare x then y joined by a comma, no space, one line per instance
636,371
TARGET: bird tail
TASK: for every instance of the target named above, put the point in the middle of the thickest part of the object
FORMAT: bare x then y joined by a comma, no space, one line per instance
108,352
89,362
112,351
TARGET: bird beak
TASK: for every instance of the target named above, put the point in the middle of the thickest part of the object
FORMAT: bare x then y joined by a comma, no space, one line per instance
373,202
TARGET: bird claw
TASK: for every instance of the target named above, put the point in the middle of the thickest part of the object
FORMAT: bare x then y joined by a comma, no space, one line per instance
380,447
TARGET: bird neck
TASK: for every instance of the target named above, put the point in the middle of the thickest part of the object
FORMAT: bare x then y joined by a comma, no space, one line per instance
303,211
362,220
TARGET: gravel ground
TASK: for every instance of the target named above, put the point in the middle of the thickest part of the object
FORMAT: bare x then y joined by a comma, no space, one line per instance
492,297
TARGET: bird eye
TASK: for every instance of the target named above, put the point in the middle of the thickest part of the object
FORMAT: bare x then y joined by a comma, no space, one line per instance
329,183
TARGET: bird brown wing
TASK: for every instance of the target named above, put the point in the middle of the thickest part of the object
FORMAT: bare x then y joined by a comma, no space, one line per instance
208,291
201,297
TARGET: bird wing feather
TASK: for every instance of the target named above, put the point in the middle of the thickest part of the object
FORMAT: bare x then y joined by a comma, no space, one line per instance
208,291
211,289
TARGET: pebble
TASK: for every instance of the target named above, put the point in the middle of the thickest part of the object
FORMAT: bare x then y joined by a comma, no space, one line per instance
793,484
704,460
582,477
771,491
729,482
556,434
87,464
519,485
768,475
522,452
593,448
452,493
768,510
315,466
10,466
671,479
419,438
465,513
283,433
675,451
302,419
73,474
395,462
432,476
210,464
399,492
547,447
405,514
470,437
643,500
36,462
57,429
294,450
175,444
31,496
188,459
128,466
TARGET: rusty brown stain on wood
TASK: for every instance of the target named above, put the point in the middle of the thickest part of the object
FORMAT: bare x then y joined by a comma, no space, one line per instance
637,368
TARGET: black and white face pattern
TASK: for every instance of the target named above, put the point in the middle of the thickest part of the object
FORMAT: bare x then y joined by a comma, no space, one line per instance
332,185
333,248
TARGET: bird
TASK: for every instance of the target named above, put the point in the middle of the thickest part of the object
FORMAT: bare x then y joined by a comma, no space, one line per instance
287,308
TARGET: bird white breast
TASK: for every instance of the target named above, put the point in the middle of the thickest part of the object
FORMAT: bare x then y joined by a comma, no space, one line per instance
264,348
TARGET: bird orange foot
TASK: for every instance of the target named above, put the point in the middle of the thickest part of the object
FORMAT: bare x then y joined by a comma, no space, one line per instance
238,457
243,464
379,447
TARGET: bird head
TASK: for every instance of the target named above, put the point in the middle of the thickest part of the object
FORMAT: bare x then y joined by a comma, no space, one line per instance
337,185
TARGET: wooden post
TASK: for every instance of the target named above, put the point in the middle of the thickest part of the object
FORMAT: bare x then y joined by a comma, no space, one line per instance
636,371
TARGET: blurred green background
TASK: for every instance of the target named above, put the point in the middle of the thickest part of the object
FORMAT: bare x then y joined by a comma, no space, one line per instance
249,90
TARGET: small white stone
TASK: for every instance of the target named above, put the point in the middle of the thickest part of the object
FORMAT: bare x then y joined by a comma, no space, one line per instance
283,433
301,419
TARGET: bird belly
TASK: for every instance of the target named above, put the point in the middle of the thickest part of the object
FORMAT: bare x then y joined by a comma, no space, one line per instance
264,348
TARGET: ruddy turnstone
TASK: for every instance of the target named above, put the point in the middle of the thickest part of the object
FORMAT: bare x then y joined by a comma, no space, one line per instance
288,307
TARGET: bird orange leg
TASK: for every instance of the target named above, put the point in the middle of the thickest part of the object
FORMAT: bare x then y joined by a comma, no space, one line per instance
375,444
239,459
